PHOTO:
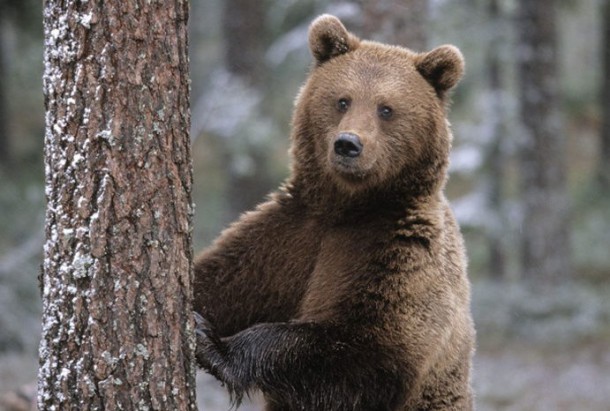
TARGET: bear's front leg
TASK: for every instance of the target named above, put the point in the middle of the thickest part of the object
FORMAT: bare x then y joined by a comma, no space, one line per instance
212,355
304,365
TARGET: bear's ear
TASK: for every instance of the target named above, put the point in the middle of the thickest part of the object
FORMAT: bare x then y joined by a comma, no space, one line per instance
442,67
329,38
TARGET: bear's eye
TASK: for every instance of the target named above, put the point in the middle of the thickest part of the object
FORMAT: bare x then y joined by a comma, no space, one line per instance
385,112
343,105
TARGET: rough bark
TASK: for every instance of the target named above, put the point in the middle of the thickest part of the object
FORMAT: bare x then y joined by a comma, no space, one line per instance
542,156
604,163
116,284
401,22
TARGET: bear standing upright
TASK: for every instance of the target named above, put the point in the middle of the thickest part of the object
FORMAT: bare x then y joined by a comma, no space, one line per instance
347,290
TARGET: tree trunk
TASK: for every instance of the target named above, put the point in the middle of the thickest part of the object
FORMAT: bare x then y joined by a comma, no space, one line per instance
400,22
495,159
243,28
542,157
604,163
248,176
5,149
117,324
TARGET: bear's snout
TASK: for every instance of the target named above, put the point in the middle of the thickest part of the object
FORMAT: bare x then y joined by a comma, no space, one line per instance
348,145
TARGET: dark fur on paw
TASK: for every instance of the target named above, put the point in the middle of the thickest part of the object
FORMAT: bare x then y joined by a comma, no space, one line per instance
205,330
212,355
210,348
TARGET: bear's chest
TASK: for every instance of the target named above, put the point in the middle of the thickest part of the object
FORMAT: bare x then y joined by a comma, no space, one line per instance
347,265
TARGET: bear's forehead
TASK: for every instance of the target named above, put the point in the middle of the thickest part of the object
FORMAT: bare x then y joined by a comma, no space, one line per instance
392,58
372,67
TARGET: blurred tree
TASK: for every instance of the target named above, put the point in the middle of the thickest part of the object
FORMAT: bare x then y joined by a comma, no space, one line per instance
246,158
24,12
243,30
401,22
5,149
116,282
542,156
495,158
604,159
25,15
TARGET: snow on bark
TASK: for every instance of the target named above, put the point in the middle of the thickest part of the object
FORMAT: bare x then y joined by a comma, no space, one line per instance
117,332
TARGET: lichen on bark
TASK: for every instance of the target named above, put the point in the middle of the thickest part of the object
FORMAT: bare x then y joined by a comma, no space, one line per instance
117,331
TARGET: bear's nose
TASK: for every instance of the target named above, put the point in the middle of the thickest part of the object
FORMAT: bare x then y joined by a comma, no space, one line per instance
348,145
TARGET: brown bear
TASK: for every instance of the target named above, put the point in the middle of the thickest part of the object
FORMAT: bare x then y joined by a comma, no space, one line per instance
347,290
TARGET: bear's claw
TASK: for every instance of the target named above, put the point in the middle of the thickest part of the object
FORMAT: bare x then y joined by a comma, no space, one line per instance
205,331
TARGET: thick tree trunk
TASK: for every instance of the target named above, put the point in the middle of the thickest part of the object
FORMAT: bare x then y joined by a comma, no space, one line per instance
542,157
117,324
401,22
604,160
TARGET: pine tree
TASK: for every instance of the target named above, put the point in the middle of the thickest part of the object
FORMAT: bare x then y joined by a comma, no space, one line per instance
116,283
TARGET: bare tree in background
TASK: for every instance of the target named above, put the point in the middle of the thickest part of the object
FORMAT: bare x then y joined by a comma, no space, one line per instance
117,326
542,156
604,159
243,30
5,150
17,17
243,27
495,157
401,22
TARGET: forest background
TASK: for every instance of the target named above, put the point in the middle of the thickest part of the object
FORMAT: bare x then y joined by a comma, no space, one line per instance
543,320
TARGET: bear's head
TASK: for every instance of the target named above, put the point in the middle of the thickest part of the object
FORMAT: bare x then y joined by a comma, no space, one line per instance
373,116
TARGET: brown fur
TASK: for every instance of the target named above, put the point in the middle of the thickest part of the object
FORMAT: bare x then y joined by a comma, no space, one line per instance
347,290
